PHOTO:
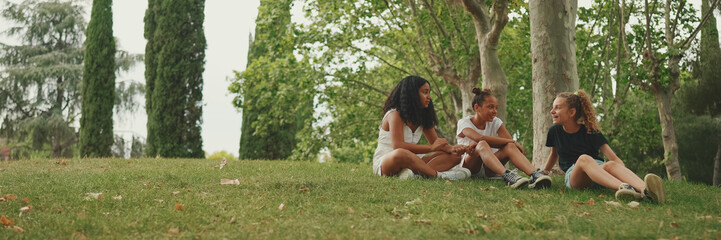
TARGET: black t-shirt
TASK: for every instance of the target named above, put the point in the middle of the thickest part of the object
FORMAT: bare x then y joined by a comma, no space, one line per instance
570,146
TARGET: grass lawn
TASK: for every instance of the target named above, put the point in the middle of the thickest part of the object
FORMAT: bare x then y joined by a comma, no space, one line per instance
183,198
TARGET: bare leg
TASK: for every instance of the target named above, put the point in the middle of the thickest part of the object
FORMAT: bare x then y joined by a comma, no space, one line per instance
517,158
402,158
587,170
444,161
473,162
428,157
489,159
624,174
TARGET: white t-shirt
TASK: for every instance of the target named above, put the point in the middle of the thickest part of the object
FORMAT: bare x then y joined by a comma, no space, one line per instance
490,130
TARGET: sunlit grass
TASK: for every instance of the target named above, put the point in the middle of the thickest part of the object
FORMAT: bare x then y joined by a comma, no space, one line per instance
322,201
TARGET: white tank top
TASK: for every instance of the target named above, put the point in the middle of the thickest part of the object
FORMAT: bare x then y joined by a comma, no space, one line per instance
384,140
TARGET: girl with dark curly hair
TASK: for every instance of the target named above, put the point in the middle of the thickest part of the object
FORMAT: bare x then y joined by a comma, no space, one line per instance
575,147
408,113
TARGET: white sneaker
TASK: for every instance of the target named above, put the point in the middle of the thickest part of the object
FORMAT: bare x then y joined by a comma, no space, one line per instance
406,174
453,174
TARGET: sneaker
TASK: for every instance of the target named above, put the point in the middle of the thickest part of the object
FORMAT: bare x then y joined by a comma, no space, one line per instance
453,174
654,188
513,180
406,174
627,192
539,180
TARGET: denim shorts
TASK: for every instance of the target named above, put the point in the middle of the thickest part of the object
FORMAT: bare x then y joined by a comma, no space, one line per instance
568,175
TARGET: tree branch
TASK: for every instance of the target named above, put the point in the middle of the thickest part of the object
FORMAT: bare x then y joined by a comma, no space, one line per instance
380,58
500,19
705,18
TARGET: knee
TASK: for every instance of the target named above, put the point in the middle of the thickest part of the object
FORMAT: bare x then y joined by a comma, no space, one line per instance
610,165
400,154
510,147
482,146
585,160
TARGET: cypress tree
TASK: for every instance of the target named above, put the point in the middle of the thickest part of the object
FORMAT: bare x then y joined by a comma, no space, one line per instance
278,142
176,101
98,84
150,69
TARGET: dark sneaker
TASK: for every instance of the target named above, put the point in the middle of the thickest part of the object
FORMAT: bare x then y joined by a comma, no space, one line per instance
626,192
513,180
654,188
539,180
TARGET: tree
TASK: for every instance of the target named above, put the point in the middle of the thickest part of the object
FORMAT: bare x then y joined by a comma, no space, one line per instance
179,57
40,88
553,50
98,85
151,50
276,90
662,63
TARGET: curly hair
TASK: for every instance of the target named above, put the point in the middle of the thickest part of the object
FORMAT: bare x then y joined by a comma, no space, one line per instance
406,100
480,95
580,101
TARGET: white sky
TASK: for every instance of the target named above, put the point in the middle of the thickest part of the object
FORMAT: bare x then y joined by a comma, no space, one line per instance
228,24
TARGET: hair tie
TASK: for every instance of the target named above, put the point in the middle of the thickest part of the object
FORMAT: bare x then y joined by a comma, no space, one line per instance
575,93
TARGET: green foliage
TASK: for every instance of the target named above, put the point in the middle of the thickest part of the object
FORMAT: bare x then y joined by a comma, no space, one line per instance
336,201
698,139
98,86
178,56
219,155
276,90
152,47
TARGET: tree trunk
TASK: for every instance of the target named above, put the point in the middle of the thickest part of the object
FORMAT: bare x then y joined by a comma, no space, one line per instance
668,134
717,162
493,76
553,50
467,95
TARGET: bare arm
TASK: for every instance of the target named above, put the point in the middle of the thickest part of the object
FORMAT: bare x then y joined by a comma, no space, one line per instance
608,152
495,142
552,159
395,126
503,133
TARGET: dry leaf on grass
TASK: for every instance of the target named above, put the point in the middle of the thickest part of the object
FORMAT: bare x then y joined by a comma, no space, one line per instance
486,228
669,213
175,192
281,206
96,196
674,224
26,209
350,210
229,181
415,201
707,217
612,203
173,231
25,200
518,203
178,207
583,214
6,221
118,197
2,199
223,163
634,204
305,189
18,229
424,221
591,202
10,197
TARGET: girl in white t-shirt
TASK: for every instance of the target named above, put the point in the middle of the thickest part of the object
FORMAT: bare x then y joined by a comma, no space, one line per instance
408,113
492,146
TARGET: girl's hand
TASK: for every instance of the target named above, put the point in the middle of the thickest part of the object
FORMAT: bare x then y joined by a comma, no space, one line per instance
439,144
458,149
471,148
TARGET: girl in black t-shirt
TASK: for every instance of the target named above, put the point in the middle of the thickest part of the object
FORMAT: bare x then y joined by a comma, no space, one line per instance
575,147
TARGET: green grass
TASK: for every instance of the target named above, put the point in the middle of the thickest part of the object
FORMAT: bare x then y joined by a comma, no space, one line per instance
342,201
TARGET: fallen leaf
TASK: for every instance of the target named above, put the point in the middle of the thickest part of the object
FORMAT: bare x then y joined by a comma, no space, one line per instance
106,169
561,191
281,207
591,202
460,188
300,211
424,192
583,214
176,192
118,197
2,199
486,228
448,182
483,215
178,207
173,231
25,200
601,195
79,236
669,213
304,189
96,196
6,221
350,210
424,221
415,201
146,183
518,203
158,200
471,231
707,217
10,197
322,198
223,163
18,229
633,204
26,209
229,181
674,224
612,203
